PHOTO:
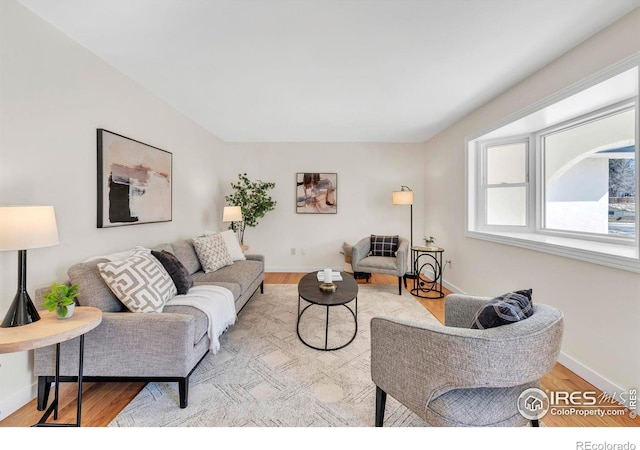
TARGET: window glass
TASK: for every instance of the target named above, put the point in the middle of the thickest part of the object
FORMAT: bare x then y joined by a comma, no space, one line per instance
589,176
506,163
507,206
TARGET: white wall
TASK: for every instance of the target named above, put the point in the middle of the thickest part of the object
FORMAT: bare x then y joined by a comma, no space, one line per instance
367,176
53,96
601,305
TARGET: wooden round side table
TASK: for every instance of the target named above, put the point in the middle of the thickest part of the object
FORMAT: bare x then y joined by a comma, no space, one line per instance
50,330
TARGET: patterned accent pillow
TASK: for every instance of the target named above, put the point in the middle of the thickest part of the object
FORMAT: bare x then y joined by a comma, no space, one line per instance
504,309
139,281
176,270
384,245
212,252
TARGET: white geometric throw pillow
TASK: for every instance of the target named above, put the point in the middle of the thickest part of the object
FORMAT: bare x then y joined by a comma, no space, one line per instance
212,252
139,281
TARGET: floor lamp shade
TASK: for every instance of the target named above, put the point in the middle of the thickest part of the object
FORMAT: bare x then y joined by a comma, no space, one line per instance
403,197
23,228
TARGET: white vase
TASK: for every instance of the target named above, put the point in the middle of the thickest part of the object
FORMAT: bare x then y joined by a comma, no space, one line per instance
70,309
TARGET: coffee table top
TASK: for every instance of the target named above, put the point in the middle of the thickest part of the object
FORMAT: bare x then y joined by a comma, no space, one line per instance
346,290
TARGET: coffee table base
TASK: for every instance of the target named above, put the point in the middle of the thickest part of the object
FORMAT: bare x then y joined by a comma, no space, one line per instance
326,330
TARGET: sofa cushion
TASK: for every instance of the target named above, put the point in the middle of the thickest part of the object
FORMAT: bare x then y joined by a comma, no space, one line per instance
176,270
503,310
93,291
374,263
242,273
212,252
384,245
233,287
186,253
140,282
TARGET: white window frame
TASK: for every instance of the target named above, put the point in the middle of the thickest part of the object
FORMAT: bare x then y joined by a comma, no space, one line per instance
540,212
613,252
483,187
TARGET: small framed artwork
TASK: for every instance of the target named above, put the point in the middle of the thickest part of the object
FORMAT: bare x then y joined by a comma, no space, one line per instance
316,193
134,182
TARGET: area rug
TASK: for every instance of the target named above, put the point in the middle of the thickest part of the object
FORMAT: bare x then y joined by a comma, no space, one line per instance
264,376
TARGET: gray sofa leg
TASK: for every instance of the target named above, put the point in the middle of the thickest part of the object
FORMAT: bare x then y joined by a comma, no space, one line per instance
183,390
381,400
262,287
535,423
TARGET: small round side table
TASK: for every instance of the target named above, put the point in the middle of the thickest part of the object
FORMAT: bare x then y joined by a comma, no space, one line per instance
47,331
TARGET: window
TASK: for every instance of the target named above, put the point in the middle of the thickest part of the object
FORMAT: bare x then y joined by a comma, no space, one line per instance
506,184
560,176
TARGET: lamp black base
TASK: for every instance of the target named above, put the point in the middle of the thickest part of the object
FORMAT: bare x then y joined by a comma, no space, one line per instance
21,312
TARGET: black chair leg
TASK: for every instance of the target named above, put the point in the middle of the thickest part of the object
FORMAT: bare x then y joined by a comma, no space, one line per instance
381,400
399,285
535,423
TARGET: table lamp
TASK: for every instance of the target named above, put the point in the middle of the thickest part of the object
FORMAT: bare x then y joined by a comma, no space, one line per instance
23,228
232,214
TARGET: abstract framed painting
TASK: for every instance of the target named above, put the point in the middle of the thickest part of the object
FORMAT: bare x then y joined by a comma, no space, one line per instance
316,193
134,182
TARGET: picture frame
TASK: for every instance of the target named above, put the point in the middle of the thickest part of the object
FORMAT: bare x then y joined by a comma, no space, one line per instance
134,181
316,193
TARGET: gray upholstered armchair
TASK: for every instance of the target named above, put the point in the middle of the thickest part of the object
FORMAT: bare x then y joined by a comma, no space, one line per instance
361,261
451,375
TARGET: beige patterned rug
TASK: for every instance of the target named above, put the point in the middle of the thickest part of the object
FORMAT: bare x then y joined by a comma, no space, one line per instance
263,376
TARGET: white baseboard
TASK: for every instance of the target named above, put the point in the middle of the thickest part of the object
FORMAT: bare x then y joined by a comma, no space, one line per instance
298,269
452,287
17,400
589,375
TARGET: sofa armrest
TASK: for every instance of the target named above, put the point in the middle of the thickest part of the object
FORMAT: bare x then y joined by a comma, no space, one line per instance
360,251
254,257
128,344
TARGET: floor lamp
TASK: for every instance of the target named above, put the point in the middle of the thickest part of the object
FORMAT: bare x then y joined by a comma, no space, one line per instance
405,197
23,228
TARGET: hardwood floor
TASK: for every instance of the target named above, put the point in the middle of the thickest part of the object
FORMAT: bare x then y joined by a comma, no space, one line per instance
103,401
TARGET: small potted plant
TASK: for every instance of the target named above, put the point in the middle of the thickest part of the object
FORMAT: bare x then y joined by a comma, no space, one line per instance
61,298
429,241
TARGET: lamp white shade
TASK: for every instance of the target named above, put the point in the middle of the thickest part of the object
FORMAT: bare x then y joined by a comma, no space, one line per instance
25,227
403,197
232,214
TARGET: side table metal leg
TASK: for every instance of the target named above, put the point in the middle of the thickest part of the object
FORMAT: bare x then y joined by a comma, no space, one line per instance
326,331
80,366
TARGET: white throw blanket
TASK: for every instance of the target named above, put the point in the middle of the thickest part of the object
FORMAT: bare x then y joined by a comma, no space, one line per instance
217,303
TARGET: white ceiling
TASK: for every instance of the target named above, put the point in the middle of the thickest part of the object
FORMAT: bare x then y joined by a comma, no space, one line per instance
328,70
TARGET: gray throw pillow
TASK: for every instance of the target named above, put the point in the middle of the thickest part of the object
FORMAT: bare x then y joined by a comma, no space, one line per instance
504,309
93,291
177,271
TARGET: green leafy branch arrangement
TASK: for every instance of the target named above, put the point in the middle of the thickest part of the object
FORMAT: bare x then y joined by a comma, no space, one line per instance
253,199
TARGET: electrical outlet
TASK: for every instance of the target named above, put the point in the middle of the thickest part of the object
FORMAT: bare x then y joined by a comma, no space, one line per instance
448,261
293,251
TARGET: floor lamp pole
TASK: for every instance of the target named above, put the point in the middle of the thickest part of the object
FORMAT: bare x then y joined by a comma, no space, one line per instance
411,224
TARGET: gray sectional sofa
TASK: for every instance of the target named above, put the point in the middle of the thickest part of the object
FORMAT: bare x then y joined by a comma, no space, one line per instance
128,346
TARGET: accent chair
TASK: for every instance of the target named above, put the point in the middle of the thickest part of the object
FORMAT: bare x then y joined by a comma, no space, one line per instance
363,261
452,375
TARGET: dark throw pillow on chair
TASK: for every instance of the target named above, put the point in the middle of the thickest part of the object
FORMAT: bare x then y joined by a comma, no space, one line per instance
384,245
177,271
504,309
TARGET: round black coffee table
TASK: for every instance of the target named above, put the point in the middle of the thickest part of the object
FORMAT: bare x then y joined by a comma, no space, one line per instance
346,291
